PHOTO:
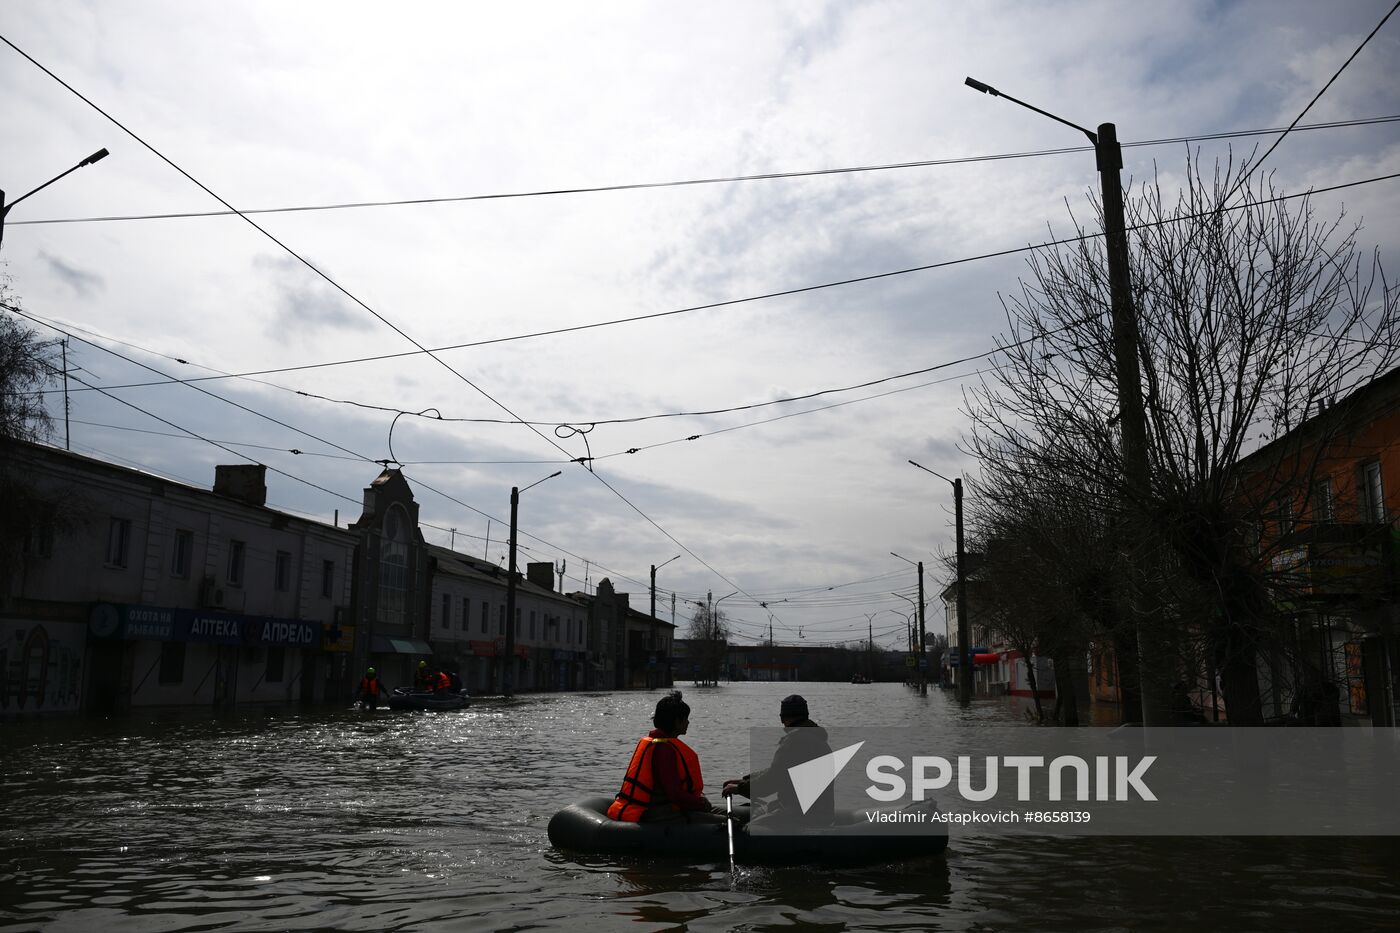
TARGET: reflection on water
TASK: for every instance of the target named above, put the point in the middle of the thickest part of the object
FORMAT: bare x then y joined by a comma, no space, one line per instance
338,819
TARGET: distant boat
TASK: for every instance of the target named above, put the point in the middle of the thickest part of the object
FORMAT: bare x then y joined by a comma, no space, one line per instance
859,679
414,699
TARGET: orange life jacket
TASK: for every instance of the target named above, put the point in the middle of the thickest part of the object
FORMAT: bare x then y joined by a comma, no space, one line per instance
638,786
372,686
442,681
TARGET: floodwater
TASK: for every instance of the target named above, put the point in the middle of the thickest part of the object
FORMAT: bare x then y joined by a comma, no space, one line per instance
333,819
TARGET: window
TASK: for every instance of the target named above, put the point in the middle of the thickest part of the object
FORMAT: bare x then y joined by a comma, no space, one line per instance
235,563
518,612
1322,500
276,664
1372,495
38,539
327,578
172,662
446,610
181,554
485,617
501,621
118,542
282,572
532,623
1283,516
393,567
466,613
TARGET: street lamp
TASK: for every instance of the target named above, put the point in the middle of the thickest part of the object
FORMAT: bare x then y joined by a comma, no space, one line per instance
923,647
722,599
506,667
97,156
964,623
1108,155
908,618
652,624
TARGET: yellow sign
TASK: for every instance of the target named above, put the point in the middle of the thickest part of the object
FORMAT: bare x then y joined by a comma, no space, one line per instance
338,638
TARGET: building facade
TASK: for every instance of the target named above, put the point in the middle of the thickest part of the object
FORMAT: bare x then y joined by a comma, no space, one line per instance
132,591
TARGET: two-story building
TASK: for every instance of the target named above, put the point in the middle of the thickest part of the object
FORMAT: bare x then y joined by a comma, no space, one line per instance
1330,537
137,591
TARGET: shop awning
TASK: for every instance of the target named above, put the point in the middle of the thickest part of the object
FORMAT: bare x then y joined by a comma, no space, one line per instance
391,644
990,657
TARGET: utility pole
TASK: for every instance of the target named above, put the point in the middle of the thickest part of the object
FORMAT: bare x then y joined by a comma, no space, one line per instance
1151,654
1108,156
964,622
923,641
869,645
919,565
67,436
508,669
508,665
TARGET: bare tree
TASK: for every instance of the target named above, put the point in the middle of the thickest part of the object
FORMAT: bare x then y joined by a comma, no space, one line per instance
708,634
1251,311
27,368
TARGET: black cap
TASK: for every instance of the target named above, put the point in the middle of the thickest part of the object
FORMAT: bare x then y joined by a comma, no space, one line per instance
793,706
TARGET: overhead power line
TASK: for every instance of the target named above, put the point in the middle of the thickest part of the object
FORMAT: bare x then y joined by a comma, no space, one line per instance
1047,244
354,298
719,180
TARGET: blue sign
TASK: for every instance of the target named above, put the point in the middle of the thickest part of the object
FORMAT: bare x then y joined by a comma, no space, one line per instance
158,623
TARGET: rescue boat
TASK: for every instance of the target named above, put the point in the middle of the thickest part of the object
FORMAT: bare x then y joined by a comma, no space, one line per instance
403,698
584,828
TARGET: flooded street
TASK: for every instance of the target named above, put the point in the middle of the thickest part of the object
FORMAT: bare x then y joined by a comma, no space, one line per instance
337,819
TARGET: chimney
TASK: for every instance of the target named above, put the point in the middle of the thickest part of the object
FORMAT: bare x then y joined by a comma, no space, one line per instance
246,482
541,574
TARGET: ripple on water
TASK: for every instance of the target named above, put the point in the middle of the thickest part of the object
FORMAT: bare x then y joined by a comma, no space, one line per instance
333,819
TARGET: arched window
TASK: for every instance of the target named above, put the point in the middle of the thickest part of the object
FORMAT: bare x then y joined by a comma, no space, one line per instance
393,566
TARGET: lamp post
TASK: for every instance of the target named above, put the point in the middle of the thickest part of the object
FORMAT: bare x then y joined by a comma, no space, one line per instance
720,600
652,624
964,623
715,628
908,636
97,156
509,664
923,644
1108,155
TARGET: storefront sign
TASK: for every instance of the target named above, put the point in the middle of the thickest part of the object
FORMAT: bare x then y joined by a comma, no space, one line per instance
157,623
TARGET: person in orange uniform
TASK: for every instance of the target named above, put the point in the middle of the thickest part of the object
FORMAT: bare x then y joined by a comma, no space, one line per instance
663,781
441,683
372,689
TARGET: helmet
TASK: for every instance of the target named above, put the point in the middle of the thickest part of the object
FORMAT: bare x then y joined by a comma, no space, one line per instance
370,671
422,663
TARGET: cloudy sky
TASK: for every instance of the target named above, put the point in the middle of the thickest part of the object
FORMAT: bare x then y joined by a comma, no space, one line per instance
275,105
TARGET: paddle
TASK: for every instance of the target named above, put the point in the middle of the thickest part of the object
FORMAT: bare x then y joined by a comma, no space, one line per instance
729,824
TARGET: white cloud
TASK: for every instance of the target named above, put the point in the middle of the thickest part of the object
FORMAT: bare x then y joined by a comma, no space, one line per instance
276,104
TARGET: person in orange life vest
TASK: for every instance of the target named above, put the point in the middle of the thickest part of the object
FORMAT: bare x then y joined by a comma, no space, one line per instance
423,680
372,689
663,781
441,682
